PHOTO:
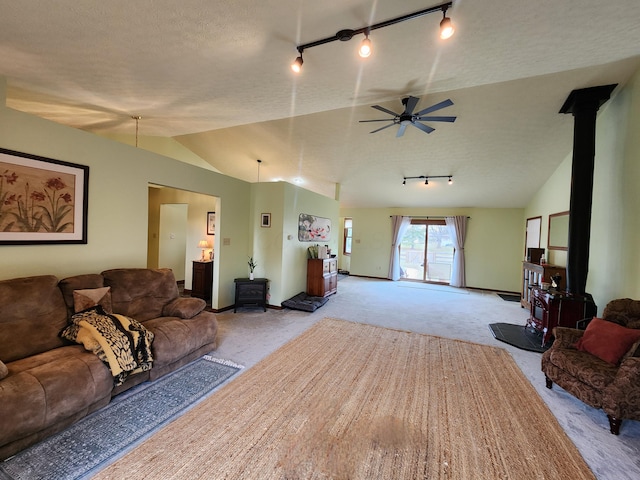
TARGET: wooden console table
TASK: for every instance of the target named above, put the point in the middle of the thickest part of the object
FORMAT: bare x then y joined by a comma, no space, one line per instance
251,293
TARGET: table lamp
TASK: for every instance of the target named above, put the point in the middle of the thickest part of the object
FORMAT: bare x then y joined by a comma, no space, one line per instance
203,244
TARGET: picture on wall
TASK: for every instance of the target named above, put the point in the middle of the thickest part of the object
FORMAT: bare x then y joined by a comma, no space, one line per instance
211,223
313,229
42,200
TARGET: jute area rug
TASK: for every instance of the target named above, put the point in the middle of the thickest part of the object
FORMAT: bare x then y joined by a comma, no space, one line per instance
353,401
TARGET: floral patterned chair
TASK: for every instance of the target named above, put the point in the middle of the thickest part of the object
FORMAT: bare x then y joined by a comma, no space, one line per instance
601,365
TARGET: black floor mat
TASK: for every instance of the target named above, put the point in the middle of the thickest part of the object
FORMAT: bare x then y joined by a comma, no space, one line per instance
519,336
509,297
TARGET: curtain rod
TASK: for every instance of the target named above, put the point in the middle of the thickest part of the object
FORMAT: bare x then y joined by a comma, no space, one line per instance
439,217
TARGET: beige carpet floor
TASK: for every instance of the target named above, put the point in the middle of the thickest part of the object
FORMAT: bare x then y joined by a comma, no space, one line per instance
346,400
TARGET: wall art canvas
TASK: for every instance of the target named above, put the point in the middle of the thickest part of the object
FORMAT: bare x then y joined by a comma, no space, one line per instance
42,200
313,229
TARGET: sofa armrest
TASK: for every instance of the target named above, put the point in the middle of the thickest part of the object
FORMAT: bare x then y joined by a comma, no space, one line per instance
621,398
566,337
184,307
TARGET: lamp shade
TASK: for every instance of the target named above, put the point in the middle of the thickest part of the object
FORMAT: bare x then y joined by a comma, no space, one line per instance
203,244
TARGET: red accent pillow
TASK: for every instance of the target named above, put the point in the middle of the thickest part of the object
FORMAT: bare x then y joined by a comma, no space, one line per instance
607,340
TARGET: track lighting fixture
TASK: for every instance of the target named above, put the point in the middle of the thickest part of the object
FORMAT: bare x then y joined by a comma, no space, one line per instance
446,30
446,27
296,66
427,177
365,47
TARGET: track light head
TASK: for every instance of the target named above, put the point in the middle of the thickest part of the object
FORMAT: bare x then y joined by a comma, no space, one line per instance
426,181
446,27
296,66
365,47
450,180
404,181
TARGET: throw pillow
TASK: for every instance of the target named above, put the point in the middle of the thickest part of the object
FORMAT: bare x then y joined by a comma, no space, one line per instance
90,297
607,340
4,371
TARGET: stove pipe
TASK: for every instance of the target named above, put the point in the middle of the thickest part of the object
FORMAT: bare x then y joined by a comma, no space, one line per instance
583,104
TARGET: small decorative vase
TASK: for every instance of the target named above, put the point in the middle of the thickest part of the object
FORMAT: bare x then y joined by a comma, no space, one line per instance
250,275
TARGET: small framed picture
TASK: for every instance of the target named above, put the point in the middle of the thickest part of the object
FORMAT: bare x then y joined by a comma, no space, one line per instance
211,223
265,220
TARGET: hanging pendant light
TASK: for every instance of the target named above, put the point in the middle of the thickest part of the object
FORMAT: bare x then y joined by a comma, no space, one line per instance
365,47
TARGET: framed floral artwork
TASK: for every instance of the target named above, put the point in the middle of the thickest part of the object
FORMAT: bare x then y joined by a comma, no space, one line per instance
313,229
42,200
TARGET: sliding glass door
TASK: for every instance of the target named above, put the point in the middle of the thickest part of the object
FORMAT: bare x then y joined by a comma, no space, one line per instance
426,252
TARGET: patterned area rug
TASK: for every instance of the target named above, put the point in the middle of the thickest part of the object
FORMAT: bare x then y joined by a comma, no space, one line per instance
353,401
130,418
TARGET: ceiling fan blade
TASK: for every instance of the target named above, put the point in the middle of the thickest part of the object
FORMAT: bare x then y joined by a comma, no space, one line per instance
410,105
437,106
437,119
382,128
378,120
382,109
424,128
401,130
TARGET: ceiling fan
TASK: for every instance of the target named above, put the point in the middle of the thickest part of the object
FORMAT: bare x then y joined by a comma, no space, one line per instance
407,117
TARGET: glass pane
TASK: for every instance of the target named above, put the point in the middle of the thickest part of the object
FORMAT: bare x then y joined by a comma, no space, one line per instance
347,245
439,254
412,253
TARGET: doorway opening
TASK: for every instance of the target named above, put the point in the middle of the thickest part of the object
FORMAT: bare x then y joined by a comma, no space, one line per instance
426,252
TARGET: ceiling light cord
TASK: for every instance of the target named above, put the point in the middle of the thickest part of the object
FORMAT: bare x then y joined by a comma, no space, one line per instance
347,34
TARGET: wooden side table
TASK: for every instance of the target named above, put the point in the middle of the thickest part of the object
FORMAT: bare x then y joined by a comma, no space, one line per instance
251,293
202,280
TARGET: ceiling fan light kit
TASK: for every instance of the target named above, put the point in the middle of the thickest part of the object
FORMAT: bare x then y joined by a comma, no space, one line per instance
407,117
365,49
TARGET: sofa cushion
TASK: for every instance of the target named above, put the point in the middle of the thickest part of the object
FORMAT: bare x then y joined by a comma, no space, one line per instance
583,366
141,293
607,340
49,387
91,297
175,338
32,312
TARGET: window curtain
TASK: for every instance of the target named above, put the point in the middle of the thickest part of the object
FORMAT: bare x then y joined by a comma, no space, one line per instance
458,230
399,226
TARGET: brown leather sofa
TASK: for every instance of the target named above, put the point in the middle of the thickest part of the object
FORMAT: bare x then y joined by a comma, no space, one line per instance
614,385
46,384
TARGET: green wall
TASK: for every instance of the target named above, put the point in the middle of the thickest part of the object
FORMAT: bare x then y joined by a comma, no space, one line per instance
614,263
493,249
281,257
118,203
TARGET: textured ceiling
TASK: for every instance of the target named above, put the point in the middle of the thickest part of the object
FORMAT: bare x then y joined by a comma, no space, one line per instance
214,74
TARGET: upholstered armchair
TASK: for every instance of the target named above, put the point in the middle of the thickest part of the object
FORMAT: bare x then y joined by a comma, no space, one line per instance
601,365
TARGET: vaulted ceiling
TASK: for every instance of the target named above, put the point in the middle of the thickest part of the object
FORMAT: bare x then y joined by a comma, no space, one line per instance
215,76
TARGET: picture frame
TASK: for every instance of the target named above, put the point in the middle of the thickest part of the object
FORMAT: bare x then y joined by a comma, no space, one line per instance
211,223
42,200
265,220
312,228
